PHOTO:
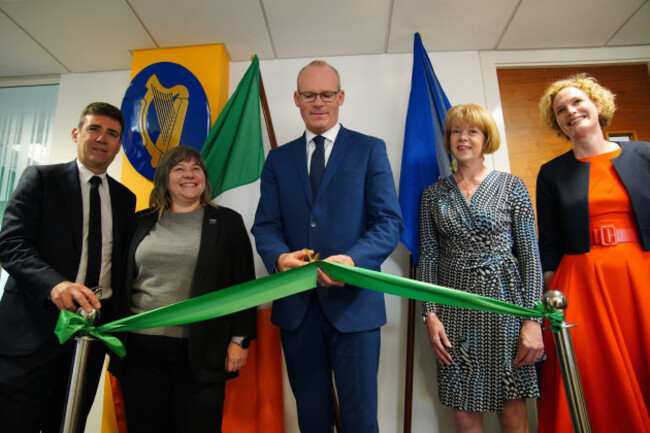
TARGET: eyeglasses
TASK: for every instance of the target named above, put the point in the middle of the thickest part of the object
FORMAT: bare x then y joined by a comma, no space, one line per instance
324,96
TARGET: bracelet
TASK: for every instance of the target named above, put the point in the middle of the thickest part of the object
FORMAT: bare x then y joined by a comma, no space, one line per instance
428,315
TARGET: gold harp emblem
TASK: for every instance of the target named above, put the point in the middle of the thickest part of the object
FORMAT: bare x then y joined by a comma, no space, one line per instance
170,106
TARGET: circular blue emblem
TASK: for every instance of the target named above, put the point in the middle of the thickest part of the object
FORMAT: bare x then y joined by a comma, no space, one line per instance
164,106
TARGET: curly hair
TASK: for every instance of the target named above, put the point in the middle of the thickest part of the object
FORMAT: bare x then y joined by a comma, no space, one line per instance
600,95
474,115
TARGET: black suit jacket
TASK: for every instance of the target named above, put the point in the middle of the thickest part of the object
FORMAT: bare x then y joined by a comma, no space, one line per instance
225,259
563,201
40,246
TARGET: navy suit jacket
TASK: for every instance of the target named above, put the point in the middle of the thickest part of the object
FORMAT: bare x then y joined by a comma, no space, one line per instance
355,213
40,246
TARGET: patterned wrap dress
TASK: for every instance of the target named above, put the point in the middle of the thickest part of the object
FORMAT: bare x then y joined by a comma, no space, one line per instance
469,246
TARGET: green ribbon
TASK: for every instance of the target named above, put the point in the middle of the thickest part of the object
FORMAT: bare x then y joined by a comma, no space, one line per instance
407,288
555,318
282,284
70,323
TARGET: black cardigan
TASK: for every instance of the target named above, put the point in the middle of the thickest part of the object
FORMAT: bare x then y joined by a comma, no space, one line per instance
563,201
225,259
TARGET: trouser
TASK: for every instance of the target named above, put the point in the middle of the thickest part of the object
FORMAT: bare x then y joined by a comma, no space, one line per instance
159,390
34,388
315,351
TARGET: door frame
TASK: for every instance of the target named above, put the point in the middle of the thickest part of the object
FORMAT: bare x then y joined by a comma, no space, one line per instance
492,60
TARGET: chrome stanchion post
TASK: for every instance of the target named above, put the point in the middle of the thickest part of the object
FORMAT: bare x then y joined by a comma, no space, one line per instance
73,422
568,365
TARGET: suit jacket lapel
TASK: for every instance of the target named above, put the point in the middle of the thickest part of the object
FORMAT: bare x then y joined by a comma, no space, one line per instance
71,188
299,150
209,250
341,146
143,226
117,207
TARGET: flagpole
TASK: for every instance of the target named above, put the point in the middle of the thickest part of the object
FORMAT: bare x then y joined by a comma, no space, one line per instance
410,349
267,115
424,162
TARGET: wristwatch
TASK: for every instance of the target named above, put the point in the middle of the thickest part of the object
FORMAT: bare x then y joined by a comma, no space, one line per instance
244,342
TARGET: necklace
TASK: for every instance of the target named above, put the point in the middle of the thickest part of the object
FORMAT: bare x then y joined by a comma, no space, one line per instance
468,193
468,187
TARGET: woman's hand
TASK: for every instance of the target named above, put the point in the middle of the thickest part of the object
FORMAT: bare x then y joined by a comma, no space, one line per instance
531,344
548,279
235,357
438,339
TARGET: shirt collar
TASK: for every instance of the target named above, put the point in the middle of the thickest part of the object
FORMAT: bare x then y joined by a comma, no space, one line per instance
85,174
330,134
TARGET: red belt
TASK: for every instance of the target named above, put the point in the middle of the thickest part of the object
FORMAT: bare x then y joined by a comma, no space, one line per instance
609,235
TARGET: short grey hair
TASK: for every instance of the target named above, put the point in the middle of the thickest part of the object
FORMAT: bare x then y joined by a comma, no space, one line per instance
320,63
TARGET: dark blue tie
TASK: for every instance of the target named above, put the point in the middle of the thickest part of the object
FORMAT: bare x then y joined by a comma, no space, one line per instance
94,234
317,166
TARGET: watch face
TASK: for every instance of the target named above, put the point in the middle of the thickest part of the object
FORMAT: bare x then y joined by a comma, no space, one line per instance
242,341
246,342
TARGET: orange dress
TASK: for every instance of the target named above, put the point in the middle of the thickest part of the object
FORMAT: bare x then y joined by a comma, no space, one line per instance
608,291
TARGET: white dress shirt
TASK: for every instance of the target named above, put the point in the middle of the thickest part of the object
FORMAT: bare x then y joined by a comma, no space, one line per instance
330,136
107,230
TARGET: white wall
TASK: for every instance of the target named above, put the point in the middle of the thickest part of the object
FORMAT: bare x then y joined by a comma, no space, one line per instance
75,92
377,89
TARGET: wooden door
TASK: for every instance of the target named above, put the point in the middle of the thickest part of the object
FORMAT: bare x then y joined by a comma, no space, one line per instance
531,143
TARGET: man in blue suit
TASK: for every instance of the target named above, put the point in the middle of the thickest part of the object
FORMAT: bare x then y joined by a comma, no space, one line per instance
332,192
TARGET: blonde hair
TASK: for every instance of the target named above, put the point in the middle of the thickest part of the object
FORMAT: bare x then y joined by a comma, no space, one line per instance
159,200
474,115
600,95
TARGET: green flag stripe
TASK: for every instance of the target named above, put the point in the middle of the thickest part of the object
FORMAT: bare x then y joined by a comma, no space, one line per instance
233,150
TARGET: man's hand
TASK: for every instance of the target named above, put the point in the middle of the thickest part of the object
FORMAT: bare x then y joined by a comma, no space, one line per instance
70,296
324,279
235,357
293,260
302,257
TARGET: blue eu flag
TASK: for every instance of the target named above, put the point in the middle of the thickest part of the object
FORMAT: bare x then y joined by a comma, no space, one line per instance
424,160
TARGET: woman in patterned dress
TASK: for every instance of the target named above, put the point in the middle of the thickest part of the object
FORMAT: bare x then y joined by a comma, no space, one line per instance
593,205
470,224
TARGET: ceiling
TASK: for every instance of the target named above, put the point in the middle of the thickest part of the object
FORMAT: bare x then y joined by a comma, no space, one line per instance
47,37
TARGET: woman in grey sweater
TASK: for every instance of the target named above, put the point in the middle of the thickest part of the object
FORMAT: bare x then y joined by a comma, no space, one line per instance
173,378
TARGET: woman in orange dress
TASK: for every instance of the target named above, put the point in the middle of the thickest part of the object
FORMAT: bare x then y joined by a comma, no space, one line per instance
593,206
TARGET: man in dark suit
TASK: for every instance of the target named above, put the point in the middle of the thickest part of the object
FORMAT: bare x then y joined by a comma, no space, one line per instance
331,191
44,247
